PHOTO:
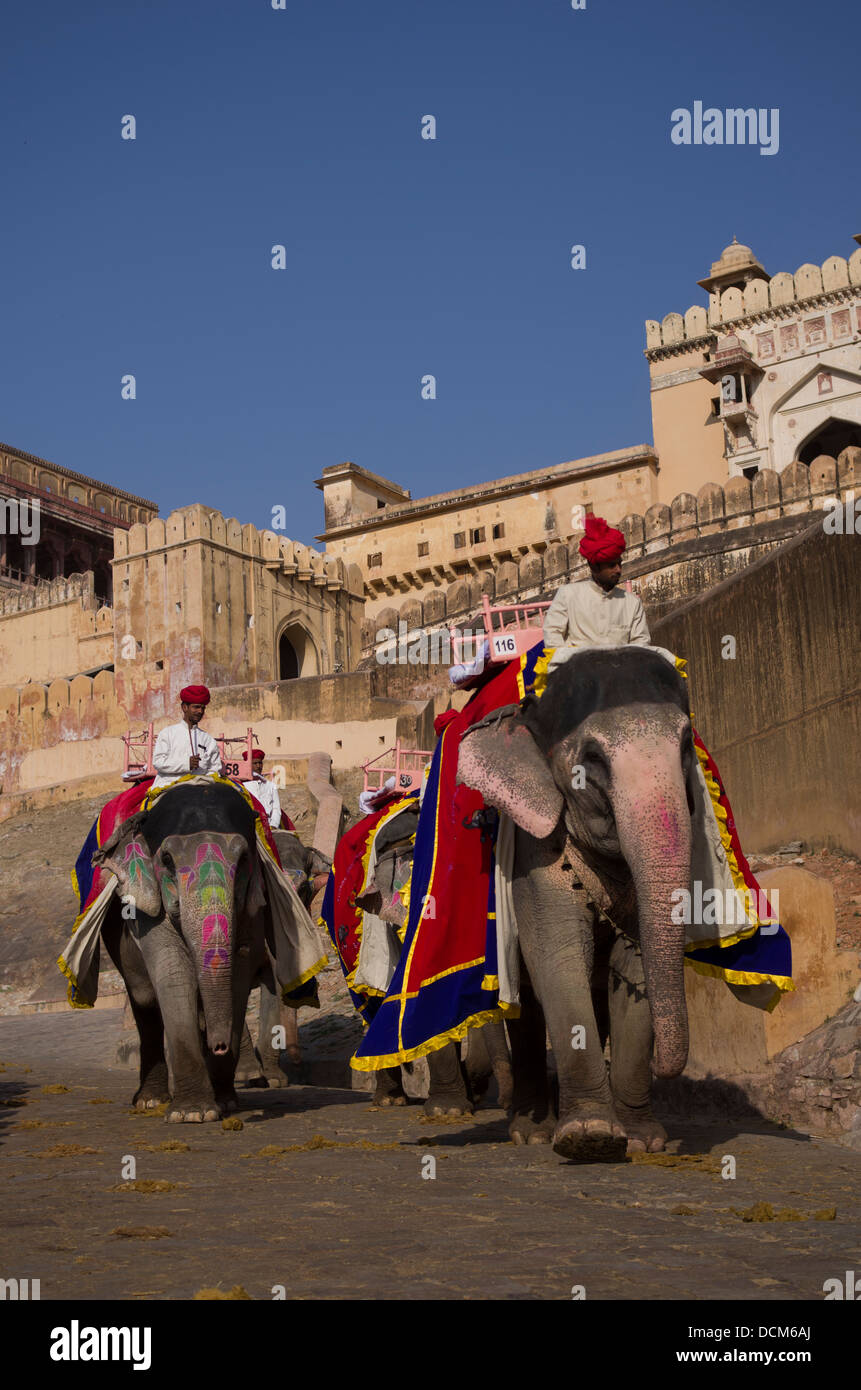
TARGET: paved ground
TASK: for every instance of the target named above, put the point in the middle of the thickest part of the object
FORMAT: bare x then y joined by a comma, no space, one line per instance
351,1215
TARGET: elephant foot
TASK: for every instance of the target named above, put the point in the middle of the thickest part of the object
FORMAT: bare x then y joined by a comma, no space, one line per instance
276,1079
150,1102
526,1129
447,1103
151,1095
194,1112
645,1133
591,1140
389,1089
248,1082
227,1101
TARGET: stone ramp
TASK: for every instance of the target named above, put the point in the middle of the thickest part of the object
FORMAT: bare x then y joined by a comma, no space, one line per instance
327,1198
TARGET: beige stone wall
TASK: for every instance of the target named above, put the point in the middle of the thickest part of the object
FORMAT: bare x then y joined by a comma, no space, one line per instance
802,332
782,719
202,598
70,732
54,629
530,511
688,439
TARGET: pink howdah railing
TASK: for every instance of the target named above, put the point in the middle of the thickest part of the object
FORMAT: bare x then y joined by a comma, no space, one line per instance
406,765
235,760
509,628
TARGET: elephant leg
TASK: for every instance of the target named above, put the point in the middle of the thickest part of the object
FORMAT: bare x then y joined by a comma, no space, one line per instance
531,1112
249,1067
556,926
496,1043
476,1065
447,1094
172,972
389,1089
273,1015
153,1089
487,1055
631,1041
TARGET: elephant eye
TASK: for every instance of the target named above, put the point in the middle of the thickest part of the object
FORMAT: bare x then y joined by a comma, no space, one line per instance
167,861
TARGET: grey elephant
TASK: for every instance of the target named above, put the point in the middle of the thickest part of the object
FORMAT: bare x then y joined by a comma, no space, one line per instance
459,1075
597,776
195,944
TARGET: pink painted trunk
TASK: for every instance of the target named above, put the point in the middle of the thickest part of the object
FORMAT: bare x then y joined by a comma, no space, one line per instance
654,829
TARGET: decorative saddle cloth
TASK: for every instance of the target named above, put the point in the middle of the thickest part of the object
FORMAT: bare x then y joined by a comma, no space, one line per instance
458,968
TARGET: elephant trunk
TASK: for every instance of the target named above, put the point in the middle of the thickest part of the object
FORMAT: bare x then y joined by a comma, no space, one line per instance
654,827
208,928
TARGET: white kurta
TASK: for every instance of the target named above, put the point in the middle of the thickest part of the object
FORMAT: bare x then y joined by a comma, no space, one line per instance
585,615
175,745
267,794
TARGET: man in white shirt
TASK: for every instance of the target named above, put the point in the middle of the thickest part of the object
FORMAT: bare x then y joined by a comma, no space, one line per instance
263,790
184,747
596,612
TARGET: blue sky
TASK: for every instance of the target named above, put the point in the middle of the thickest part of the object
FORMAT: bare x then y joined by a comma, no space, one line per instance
404,256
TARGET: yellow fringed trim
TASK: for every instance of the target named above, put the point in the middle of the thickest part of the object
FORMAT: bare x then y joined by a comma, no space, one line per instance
73,985
539,680
741,935
741,888
782,983
490,982
509,1010
411,1054
304,978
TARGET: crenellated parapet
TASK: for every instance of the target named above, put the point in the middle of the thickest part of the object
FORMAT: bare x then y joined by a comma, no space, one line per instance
203,597
50,593
672,550
835,281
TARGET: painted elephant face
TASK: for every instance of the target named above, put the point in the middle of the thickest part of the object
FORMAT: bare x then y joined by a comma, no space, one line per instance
208,883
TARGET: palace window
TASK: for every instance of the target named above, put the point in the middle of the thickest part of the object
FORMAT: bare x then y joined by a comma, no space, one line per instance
459,540
499,531
424,547
375,561
476,535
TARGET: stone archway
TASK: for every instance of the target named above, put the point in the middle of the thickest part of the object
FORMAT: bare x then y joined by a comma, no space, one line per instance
297,655
831,438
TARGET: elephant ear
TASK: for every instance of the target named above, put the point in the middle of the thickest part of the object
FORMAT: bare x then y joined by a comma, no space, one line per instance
500,758
126,855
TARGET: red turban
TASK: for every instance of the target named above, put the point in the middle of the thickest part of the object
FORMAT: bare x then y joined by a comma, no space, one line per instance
194,695
602,544
257,753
